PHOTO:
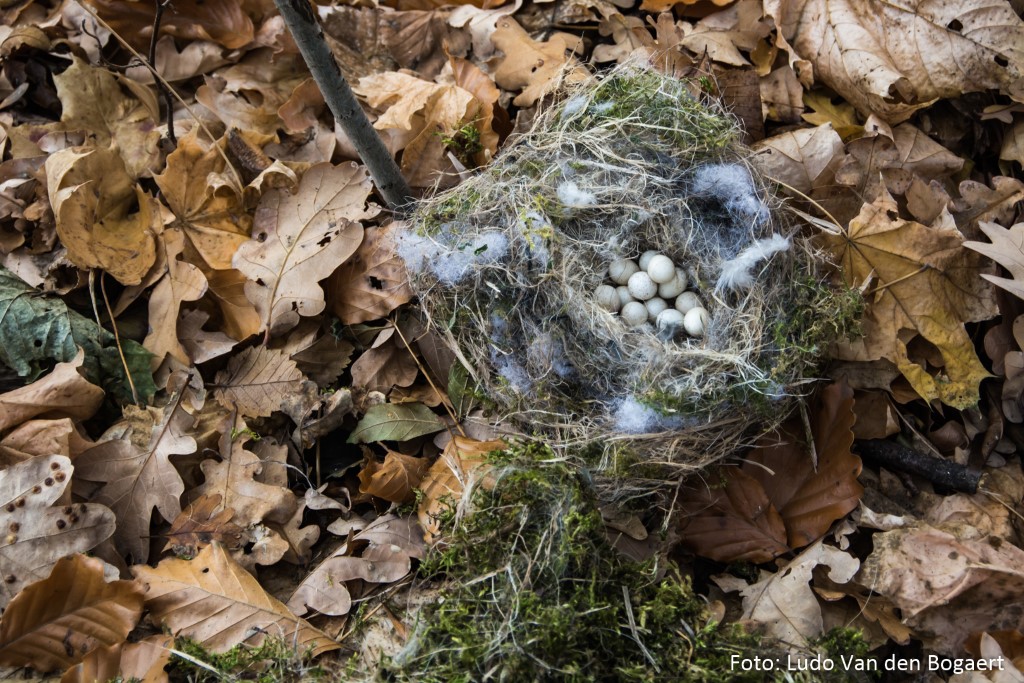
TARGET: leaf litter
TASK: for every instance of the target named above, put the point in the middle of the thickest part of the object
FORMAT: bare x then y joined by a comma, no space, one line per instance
246,259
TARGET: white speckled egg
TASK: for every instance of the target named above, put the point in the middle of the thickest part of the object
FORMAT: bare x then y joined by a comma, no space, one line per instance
661,269
624,296
654,307
669,321
621,270
641,286
634,314
695,321
646,257
687,301
674,287
607,298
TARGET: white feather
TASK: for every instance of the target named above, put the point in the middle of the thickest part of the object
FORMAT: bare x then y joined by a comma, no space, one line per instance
738,273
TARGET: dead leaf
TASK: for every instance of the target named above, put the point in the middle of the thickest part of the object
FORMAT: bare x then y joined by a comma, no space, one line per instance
804,159
784,602
395,478
373,282
862,51
42,437
133,462
143,661
385,365
62,393
182,282
258,380
729,518
532,67
219,604
299,239
222,21
948,581
36,534
920,279
202,522
104,219
233,478
53,623
387,547
114,111
447,478
1006,249
810,498
211,215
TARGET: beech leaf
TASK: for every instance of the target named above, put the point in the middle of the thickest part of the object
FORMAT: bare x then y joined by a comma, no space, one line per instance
299,239
213,600
143,662
55,622
395,478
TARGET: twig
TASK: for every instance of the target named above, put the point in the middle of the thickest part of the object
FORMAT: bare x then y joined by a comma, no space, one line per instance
938,471
636,634
117,340
160,84
298,15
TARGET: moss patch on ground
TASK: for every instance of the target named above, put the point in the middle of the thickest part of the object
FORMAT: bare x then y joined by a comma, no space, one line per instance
533,591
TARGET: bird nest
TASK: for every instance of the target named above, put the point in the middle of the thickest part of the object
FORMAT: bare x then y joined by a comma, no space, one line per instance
508,265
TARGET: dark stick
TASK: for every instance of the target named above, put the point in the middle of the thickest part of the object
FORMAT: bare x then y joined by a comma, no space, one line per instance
305,29
168,100
938,471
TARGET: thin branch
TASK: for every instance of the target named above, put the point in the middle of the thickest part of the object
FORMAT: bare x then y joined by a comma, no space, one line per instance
160,84
302,22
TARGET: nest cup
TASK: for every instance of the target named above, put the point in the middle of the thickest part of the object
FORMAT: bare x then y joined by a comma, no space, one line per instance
506,265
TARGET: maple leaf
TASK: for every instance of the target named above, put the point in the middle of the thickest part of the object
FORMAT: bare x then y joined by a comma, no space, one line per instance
218,603
373,282
133,463
921,279
55,622
211,215
37,535
299,239
862,51
113,111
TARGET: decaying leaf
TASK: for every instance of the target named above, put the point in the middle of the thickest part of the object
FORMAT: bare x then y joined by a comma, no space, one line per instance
784,602
395,478
143,662
805,159
390,422
36,534
448,477
730,518
258,380
811,496
218,603
55,622
380,553
918,279
373,282
299,239
222,21
533,67
202,522
862,51
132,461
62,393
385,365
182,282
1006,249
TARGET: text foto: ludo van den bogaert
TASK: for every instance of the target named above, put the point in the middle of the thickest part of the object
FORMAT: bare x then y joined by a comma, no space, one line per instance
852,663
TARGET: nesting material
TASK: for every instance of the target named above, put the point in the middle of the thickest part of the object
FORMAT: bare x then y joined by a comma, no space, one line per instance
546,244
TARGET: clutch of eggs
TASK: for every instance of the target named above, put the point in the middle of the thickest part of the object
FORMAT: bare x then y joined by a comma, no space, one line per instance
652,289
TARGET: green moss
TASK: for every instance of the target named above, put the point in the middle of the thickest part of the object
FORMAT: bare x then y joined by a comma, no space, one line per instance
274,661
532,591
464,143
843,642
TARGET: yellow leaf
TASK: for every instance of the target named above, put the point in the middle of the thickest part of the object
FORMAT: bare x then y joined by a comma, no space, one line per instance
920,279
448,477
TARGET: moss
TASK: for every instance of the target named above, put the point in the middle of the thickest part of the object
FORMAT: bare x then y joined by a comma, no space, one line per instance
532,591
273,661
464,143
842,643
